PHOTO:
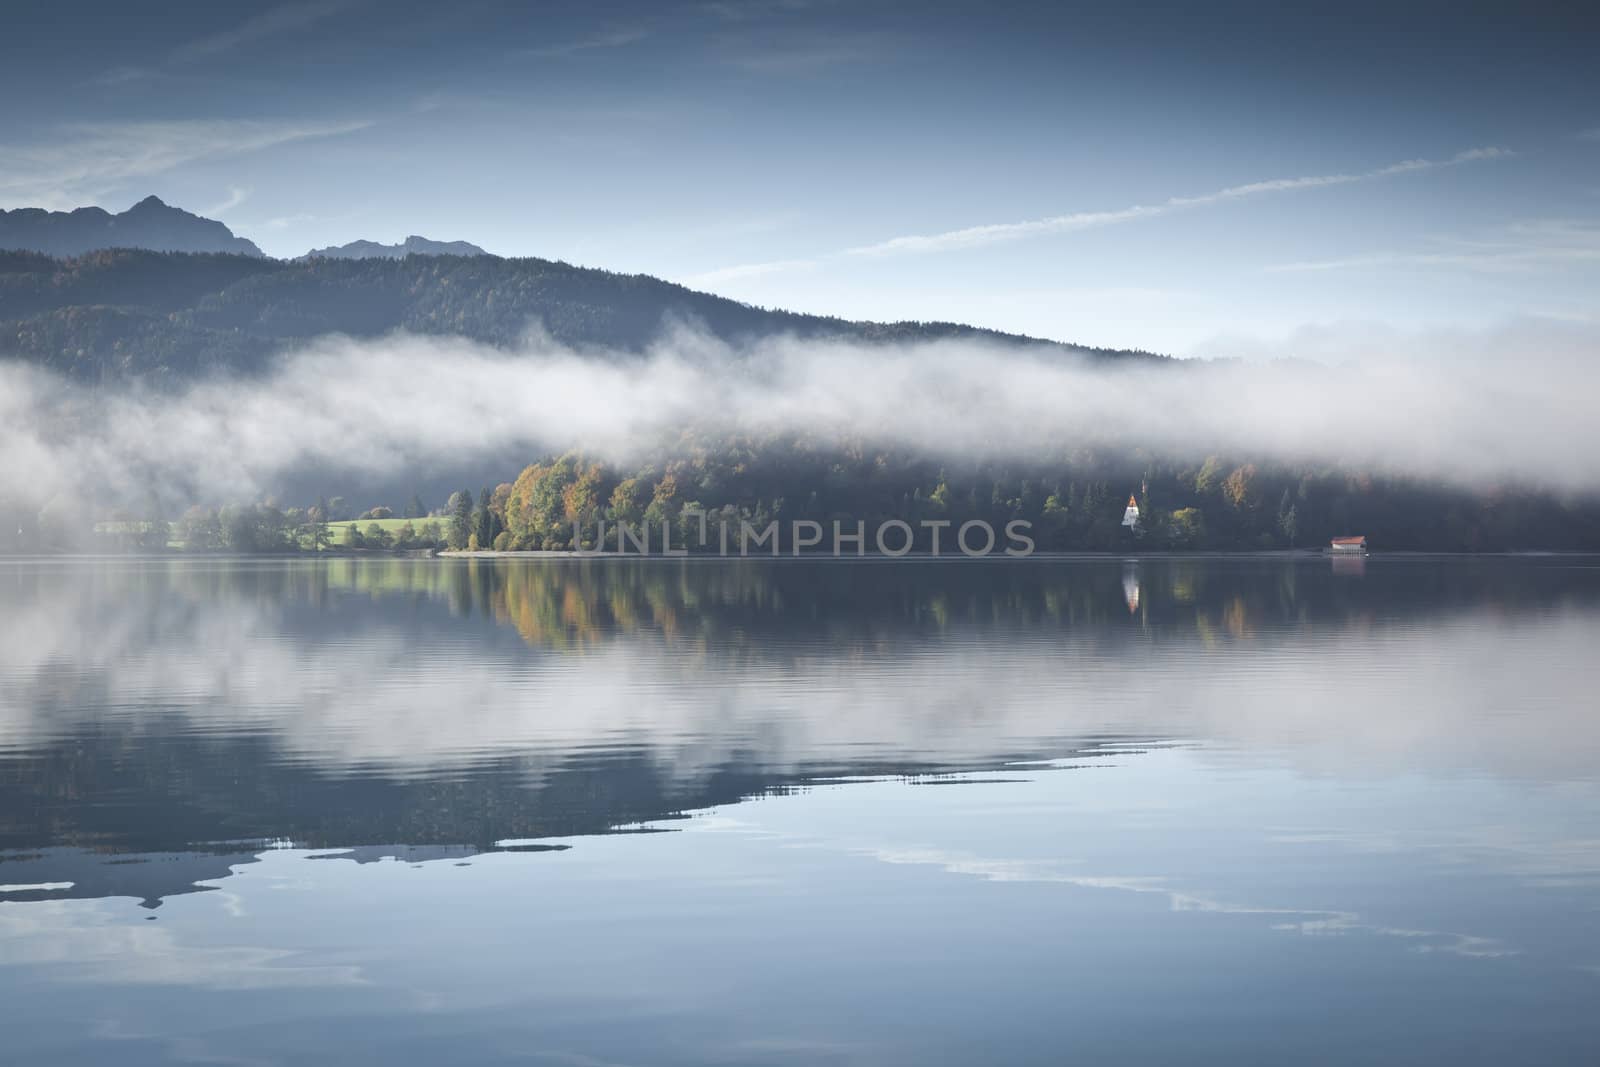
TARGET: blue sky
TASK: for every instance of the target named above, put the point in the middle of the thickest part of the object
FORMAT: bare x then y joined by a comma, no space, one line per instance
1179,177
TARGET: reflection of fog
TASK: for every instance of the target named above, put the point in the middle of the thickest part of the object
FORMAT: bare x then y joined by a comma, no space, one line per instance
159,723
702,665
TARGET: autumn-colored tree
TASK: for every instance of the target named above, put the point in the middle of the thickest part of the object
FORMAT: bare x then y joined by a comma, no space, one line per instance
1240,489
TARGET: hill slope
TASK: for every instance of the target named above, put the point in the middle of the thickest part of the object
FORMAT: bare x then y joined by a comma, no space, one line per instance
169,317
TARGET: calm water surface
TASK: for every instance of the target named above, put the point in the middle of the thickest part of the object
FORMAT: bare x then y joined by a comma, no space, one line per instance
680,812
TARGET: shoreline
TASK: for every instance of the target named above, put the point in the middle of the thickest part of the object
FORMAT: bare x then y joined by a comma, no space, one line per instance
767,557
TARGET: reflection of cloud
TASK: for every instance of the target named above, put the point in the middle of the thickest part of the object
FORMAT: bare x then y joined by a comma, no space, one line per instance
1326,698
36,887
1306,921
90,942
1529,851
231,667
180,1049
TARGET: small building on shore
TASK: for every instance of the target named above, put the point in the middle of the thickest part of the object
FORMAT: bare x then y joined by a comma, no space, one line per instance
1349,544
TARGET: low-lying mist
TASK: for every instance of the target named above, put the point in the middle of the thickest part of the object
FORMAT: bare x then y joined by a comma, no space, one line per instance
1520,411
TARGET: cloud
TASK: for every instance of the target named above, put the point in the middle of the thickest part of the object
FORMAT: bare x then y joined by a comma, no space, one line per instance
1540,244
788,54
997,233
1512,405
285,222
122,75
269,23
615,37
991,234
749,10
236,196
88,161
751,270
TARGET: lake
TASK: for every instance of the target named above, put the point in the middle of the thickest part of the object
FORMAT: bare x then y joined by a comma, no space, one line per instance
602,811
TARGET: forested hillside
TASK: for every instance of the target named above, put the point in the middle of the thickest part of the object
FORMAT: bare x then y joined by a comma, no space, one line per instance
112,318
167,317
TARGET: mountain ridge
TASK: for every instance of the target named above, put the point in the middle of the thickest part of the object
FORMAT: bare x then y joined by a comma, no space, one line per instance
411,246
170,317
150,224
132,306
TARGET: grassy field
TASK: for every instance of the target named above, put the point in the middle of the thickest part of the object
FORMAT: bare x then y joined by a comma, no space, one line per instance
390,525
110,529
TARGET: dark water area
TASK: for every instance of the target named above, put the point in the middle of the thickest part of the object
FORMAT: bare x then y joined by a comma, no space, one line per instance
603,811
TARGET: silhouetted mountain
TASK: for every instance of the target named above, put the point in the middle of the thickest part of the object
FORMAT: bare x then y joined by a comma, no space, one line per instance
148,224
164,316
411,246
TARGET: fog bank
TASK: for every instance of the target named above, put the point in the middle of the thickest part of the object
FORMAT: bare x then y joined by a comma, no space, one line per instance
1523,413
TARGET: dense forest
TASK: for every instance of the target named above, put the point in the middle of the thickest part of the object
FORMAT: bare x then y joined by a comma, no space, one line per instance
168,318
1073,502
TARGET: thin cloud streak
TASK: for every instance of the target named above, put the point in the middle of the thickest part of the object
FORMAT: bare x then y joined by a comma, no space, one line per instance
617,37
787,54
1524,247
996,233
236,196
271,23
752,10
92,160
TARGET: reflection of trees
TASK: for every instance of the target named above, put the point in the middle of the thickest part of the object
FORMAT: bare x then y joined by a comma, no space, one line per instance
568,604
91,636
573,603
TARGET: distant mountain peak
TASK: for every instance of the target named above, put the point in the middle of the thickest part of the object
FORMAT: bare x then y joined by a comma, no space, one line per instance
411,246
152,223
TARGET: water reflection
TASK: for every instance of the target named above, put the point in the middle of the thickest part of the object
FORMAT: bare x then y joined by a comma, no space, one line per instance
402,701
1160,771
